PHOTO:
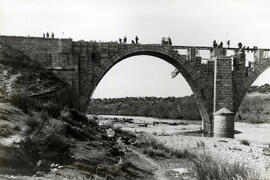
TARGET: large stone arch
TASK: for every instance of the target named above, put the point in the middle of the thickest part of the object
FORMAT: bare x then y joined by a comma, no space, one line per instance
188,70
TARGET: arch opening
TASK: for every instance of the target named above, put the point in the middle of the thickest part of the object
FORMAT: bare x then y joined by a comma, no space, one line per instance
140,76
145,78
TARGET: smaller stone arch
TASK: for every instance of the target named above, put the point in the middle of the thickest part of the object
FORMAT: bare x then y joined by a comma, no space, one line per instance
241,87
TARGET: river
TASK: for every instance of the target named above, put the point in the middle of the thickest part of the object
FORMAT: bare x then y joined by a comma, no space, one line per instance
256,133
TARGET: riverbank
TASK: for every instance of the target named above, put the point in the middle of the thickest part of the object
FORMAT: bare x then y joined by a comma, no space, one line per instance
239,152
68,146
73,147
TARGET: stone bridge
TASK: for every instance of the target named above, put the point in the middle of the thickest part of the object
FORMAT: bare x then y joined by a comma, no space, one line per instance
218,82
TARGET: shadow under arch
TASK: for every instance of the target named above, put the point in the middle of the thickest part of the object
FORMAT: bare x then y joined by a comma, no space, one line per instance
190,74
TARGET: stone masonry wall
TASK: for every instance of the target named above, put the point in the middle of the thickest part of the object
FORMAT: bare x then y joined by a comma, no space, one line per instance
224,85
46,51
207,81
53,54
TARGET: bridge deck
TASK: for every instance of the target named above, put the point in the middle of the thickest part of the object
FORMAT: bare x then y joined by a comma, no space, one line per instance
208,48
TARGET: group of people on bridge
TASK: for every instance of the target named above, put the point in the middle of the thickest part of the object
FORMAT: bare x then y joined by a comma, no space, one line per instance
240,50
47,35
220,45
124,41
166,41
239,57
240,46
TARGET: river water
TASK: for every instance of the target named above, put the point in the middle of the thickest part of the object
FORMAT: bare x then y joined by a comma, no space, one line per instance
256,133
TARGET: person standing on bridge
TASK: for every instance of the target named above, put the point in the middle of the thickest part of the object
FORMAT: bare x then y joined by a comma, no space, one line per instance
228,43
169,41
120,40
240,45
125,40
44,35
215,44
52,35
247,49
220,45
47,35
136,39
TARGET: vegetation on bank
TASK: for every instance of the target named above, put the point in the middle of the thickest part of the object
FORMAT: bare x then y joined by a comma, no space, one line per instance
170,107
63,140
206,164
260,89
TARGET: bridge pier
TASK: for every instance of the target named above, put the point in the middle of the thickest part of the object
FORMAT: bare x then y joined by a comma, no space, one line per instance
224,123
223,115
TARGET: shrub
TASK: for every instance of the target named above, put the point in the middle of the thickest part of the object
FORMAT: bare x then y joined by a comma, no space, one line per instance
245,142
32,122
208,167
78,116
181,153
201,144
24,102
149,140
36,120
155,152
52,109
17,128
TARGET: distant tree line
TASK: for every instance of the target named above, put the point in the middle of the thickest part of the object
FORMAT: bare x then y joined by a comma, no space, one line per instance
174,108
261,89
169,107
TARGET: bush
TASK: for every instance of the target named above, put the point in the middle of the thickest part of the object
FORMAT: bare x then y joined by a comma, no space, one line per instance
52,109
17,128
245,142
181,153
32,123
36,120
24,102
208,167
149,140
155,152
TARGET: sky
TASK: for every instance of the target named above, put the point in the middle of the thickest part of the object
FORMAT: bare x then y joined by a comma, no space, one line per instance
187,22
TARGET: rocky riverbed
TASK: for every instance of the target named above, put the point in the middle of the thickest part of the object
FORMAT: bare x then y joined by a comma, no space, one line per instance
255,156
